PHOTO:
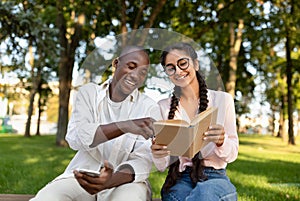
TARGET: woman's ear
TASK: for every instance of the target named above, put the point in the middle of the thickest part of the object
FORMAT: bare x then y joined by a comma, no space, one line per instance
196,64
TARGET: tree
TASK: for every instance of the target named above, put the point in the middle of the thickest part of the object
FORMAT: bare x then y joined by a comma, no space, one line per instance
40,38
68,44
44,92
238,41
287,21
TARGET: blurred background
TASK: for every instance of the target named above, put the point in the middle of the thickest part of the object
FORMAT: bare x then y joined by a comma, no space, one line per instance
50,48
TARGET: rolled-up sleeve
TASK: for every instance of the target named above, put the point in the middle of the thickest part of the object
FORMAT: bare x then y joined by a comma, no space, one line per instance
140,160
215,156
82,126
161,164
229,150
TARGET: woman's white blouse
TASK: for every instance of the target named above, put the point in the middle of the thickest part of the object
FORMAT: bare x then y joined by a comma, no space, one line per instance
214,156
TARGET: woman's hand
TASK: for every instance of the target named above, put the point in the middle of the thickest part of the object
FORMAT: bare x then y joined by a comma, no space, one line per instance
92,184
159,151
215,134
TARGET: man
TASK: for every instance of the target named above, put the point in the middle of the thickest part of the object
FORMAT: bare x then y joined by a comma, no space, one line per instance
110,127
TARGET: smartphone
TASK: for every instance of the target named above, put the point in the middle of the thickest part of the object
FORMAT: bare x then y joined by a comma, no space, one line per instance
91,173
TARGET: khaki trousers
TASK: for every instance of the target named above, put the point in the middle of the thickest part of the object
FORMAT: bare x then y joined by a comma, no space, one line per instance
68,189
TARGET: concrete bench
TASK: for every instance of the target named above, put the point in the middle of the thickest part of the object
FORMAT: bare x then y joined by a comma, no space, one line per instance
15,197
24,197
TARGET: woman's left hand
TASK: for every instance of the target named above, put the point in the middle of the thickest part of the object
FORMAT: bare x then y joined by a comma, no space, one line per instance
216,134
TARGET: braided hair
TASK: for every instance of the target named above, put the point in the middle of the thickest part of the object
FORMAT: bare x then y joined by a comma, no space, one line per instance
196,173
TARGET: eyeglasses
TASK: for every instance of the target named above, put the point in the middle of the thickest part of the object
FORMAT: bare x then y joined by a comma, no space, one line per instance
182,63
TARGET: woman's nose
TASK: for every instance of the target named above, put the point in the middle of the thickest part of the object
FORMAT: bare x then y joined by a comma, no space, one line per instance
177,70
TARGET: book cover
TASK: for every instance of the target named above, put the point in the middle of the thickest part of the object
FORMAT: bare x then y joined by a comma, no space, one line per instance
183,138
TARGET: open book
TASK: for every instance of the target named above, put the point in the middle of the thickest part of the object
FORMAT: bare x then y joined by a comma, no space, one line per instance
183,138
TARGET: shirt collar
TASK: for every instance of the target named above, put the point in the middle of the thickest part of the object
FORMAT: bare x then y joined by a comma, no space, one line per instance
132,97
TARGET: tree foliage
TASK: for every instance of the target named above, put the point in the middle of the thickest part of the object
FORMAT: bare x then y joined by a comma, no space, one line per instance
245,39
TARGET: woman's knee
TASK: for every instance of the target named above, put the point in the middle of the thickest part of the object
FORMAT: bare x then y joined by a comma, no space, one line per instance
214,189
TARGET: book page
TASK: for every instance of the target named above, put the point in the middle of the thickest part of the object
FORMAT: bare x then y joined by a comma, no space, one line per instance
204,114
175,122
178,139
181,138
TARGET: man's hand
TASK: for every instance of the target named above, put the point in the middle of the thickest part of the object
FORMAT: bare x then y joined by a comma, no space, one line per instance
143,127
94,185
215,134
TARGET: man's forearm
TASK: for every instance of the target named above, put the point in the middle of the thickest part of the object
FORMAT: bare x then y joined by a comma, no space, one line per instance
107,132
120,177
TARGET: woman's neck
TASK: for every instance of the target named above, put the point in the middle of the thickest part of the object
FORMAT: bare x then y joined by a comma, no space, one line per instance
190,92
189,100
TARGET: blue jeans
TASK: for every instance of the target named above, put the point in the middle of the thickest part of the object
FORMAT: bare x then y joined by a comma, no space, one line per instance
217,187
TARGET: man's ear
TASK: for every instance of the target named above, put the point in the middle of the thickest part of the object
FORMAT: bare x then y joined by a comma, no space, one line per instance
115,62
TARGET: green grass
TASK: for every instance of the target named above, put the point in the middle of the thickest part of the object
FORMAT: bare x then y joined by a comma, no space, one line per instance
27,164
266,169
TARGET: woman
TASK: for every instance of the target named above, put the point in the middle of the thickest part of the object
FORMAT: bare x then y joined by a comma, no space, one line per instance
202,177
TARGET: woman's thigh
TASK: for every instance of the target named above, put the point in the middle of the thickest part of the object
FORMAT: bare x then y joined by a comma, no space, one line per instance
213,190
67,189
179,191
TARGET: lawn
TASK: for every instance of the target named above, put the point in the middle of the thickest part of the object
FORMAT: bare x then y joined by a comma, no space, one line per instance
266,169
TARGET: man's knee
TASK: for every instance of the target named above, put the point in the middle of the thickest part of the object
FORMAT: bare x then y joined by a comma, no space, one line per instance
48,194
131,191
66,189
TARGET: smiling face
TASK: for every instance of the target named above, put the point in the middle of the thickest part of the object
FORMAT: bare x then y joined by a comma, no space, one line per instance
181,78
131,72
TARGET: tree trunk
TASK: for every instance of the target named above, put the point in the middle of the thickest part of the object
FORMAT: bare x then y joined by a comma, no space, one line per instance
235,44
35,83
272,130
64,97
38,123
29,113
65,69
123,22
289,67
282,119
